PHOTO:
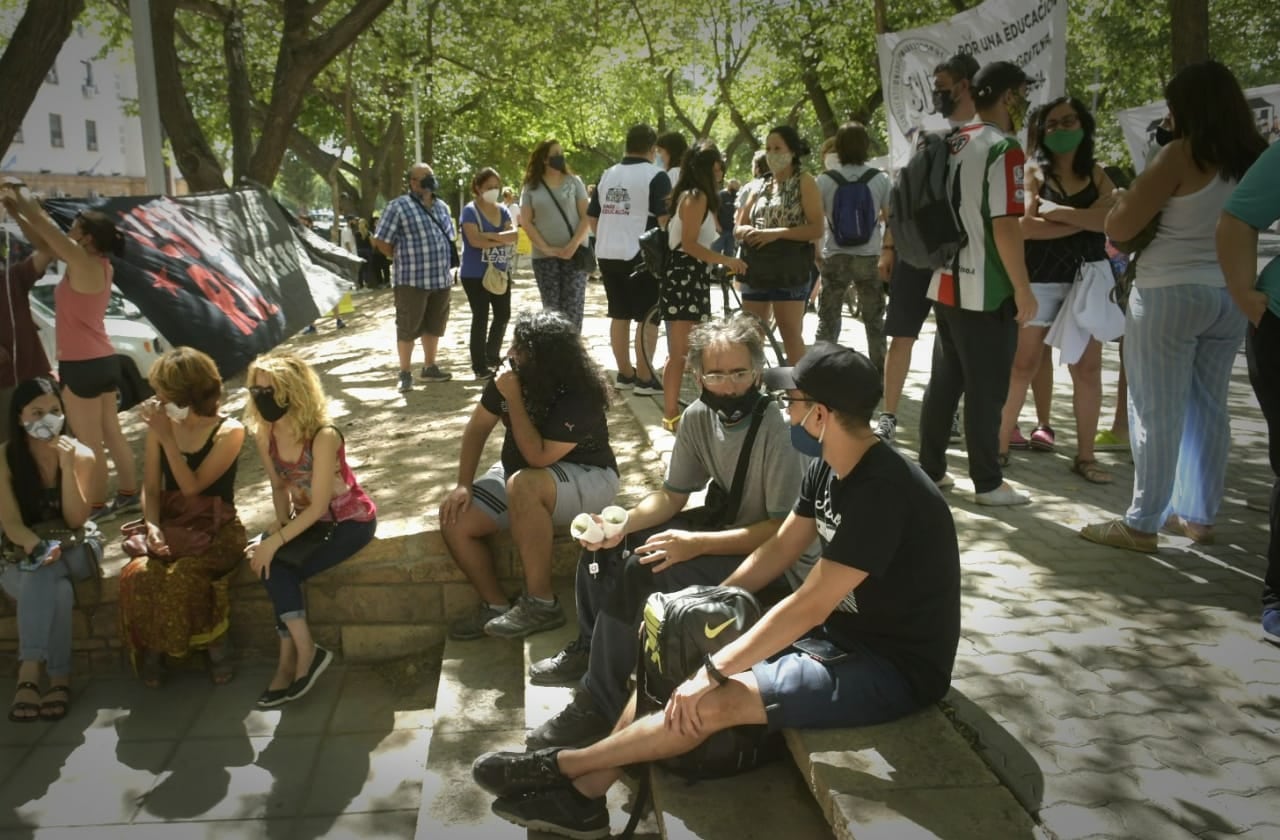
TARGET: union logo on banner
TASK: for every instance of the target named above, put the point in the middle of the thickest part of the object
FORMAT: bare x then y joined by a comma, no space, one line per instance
910,86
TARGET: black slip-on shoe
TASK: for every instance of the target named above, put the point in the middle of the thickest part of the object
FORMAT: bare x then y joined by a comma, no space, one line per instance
318,665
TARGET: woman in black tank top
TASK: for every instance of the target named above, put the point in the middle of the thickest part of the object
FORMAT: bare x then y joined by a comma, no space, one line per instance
1068,196
174,600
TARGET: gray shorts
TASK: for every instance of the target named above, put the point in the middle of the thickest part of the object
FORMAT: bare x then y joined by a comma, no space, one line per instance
579,489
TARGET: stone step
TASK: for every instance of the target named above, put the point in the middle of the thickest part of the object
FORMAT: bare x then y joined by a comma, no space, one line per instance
765,803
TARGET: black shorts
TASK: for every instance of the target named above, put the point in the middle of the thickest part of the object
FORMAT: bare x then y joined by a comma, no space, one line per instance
909,303
629,299
91,377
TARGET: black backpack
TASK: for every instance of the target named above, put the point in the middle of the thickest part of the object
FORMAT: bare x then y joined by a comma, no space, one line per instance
655,252
924,218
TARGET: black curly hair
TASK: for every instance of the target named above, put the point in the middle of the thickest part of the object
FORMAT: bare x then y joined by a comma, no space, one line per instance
553,361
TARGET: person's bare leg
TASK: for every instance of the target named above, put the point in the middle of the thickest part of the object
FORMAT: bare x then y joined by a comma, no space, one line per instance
790,315
116,444
619,342
1042,388
404,349
429,345
897,364
1120,423
465,539
303,644
1026,361
673,373
287,665
648,333
531,500
84,416
1086,398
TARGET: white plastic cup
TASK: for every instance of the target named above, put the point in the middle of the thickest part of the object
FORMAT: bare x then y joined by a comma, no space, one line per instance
614,520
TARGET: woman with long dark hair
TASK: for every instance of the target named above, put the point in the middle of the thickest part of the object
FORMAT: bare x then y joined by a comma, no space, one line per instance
684,294
44,513
1182,329
556,462
553,211
1068,198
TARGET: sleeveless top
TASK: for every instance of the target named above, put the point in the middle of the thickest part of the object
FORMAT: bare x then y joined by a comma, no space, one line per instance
1059,260
707,234
348,501
778,204
222,487
80,328
1185,252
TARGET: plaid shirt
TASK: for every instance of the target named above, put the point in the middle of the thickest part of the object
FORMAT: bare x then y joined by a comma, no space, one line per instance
421,248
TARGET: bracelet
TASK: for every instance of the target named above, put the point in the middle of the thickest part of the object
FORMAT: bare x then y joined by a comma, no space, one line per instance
712,671
887,248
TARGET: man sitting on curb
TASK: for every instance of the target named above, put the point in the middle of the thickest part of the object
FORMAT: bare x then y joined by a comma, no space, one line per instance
661,553
887,539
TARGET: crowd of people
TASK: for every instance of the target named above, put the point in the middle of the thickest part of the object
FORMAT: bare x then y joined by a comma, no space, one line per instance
847,540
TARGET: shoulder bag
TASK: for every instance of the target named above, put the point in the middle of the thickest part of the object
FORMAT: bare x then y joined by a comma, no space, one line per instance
583,259
721,508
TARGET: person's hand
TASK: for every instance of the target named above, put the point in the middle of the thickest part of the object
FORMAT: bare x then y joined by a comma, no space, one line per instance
1049,210
156,418
10,203
758,238
1253,304
736,265
884,265
667,548
156,543
682,713
607,542
1027,305
508,383
260,553
455,504
66,448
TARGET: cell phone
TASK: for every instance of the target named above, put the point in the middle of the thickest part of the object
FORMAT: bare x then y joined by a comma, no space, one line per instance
39,555
822,650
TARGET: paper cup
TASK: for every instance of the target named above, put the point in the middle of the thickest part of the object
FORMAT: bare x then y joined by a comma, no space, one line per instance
614,519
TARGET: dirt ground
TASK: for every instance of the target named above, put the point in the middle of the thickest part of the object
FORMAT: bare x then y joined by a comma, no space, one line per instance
404,447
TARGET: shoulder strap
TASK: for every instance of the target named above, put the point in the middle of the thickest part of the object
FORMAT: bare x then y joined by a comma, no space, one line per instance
836,176
556,202
868,175
432,217
740,471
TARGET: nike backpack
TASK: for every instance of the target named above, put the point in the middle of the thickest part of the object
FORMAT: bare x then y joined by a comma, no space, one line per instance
923,217
853,209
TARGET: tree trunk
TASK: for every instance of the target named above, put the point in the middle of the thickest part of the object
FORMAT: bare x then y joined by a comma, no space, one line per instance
239,93
1189,25
35,44
195,157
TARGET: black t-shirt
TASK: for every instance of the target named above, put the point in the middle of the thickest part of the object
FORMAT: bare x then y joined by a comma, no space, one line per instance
570,419
889,520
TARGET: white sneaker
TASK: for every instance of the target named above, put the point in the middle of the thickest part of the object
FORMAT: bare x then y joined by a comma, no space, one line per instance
1002,496
944,483
886,426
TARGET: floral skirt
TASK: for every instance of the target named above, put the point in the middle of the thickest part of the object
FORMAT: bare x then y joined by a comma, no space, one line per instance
685,293
177,606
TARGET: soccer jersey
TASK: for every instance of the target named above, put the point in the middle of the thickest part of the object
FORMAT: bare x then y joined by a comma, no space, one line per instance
986,173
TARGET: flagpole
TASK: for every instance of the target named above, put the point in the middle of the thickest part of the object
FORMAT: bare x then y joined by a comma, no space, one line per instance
148,96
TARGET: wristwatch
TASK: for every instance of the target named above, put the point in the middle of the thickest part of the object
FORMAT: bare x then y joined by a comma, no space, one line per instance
712,671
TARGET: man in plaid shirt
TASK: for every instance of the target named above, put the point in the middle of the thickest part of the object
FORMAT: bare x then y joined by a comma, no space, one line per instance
416,232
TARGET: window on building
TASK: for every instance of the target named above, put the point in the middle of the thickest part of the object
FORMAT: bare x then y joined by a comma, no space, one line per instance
91,135
89,86
55,130
52,76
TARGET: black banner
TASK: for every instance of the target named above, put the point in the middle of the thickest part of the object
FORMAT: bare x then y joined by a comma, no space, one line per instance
229,273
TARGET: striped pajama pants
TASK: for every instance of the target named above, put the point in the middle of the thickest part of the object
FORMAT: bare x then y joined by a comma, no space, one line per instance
1179,346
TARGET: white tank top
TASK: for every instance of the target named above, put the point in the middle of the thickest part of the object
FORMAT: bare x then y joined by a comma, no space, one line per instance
1184,252
707,234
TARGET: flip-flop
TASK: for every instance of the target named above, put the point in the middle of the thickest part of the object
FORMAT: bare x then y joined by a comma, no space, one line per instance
23,706
221,668
55,709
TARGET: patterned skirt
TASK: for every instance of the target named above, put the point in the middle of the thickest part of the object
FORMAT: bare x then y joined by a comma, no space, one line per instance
685,293
177,606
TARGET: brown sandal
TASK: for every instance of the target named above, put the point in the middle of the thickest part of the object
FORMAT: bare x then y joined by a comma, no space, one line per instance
55,709
152,670
23,706
1090,471
221,669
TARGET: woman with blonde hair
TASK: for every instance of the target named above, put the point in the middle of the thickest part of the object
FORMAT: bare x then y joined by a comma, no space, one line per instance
322,516
173,594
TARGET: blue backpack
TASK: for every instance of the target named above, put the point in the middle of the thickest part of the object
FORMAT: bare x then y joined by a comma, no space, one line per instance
853,209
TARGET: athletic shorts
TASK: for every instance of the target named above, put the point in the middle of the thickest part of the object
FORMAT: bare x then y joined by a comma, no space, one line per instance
786,293
579,489
421,312
1049,298
630,298
909,302
91,377
863,689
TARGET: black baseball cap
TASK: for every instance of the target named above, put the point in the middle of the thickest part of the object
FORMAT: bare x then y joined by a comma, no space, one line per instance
997,77
837,377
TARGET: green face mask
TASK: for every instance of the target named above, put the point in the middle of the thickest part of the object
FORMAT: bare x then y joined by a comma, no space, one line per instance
1064,141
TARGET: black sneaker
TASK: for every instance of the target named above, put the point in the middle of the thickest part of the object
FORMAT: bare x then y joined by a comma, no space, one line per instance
302,685
625,383
558,810
565,668
513,773
648,389
577,725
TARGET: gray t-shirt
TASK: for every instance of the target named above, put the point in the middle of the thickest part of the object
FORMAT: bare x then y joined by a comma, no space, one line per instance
538,208
707,449
879,186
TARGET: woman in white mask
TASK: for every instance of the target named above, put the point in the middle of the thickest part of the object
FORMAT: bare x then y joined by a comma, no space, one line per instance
173,594
44,476
488,242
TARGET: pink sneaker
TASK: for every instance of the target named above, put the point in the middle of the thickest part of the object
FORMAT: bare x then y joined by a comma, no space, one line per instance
1042,439
1017,441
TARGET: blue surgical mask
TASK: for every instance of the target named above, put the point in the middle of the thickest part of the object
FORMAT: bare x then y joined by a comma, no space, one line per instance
804,442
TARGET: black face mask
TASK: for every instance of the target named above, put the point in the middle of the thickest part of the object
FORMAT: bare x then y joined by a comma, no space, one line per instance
557,163
730,407
429,182
1163,135
944,102
268,408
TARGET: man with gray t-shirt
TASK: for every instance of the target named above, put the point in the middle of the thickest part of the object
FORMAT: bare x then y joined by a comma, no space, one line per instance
660,548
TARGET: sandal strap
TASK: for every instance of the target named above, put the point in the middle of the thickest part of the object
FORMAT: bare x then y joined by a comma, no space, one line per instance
58,689
28,685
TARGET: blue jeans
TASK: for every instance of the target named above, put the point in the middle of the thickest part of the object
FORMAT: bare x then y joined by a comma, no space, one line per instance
562,287
284,586
1179,345
45,601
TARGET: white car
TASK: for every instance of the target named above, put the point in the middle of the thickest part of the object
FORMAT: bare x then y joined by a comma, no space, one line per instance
137,342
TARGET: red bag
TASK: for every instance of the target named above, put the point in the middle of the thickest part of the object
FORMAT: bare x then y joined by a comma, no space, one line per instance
189,524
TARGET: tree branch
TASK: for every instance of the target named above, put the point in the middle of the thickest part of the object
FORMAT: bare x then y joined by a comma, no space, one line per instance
43,28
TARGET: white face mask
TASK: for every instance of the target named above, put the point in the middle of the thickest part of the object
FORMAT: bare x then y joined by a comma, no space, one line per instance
778,160
176,414
47,427
490,196
831,160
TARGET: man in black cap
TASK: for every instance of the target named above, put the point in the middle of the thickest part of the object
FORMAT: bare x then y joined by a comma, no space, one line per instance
880,612
985,294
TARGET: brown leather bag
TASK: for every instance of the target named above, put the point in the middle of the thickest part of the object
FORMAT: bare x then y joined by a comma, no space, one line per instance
189,524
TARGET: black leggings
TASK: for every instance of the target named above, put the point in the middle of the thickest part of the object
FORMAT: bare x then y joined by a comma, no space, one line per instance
486,351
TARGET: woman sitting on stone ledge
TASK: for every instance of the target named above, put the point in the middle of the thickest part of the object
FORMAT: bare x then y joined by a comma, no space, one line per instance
322,515
48,541
173,593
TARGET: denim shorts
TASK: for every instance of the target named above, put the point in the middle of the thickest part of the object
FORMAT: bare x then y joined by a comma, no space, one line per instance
863,689
786,293
579,489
